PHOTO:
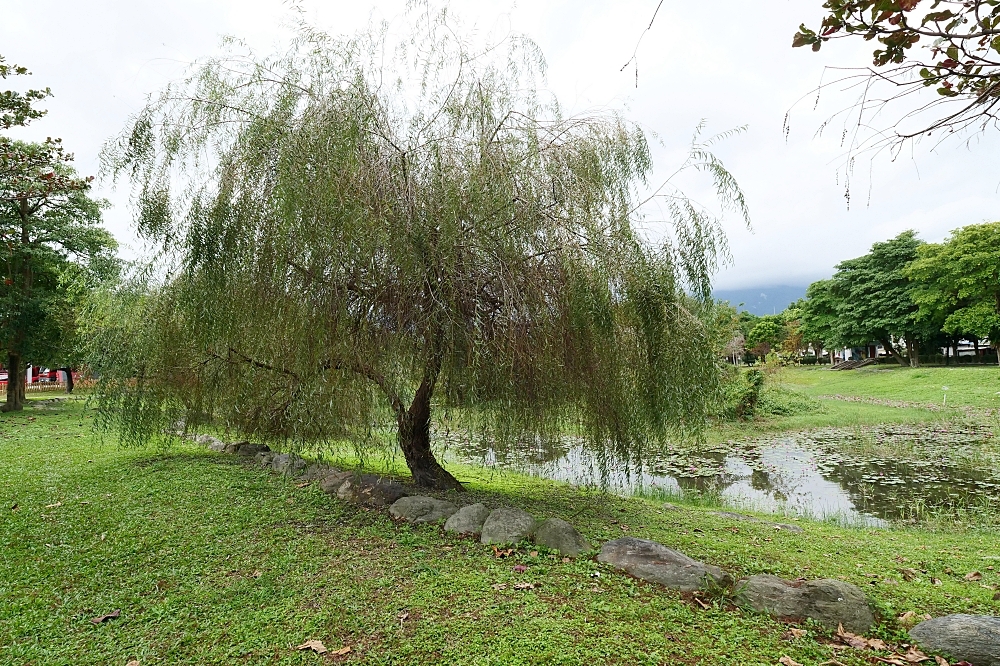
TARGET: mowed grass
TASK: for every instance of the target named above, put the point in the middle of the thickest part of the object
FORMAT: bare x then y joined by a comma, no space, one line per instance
968,386
212,560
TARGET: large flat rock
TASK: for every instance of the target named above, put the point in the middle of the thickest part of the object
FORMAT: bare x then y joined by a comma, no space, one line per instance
971,638
506,527
827,601
417,509
370,490
654,562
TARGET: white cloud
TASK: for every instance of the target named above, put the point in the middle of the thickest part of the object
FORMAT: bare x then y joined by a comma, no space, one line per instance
727,61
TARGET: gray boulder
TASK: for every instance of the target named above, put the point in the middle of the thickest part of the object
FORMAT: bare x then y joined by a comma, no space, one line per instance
264,458
213,443
827,601
288,464
317,471
247,449
370,490
656,563
556,534
418,509
971,638
467,520
507,527
332,482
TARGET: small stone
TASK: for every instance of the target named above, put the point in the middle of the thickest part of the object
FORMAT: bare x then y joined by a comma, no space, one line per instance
264,458
656,563
468,520
558,535
418,509
827,601
507,527
971,638
332,482
370,490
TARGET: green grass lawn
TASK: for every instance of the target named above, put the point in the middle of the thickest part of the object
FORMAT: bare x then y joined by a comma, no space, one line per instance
212,560
968,386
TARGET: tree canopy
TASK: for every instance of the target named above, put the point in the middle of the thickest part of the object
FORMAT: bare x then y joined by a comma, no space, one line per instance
348,241
951,46
50,231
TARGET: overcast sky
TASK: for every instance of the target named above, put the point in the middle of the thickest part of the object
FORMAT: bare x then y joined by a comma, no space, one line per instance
727,61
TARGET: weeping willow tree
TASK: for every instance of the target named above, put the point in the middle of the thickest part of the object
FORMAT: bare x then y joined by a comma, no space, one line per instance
353,234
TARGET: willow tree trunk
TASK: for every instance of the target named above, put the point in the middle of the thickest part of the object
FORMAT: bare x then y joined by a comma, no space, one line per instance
15,384
414,431
69,379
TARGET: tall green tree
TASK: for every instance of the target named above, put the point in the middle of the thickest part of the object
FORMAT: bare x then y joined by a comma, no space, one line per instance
874,298
47,223
366,246
958,282
819,316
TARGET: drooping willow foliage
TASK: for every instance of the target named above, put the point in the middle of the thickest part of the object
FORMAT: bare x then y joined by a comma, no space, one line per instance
350,235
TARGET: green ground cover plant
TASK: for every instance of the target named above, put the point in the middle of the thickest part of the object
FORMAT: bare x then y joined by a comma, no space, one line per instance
213,560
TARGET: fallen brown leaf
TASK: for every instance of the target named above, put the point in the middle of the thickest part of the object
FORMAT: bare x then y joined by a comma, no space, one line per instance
877,644
566,560
793,633
935,581
908,573
788,661
973,576
109,616
701,603
832,662
526,586
533,553
52,506
915,656
342,651
941,661
498,553
314,645
894,660
302,485
15,507
499,586
134,662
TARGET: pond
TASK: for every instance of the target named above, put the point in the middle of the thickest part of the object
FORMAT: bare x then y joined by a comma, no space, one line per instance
854,475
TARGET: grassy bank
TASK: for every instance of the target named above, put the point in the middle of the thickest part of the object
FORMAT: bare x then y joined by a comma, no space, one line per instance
214,561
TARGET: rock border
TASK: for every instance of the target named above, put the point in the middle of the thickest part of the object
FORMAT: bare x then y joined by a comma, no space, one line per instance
831,603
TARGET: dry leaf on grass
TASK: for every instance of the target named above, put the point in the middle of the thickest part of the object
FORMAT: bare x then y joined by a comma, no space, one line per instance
793,633
342,651
894,660
908,573
941,661
788,661
302,485
915,656
499,586
973,576
53,506
109,616
526,586
498,553
134,662
533,553
315,646
701,603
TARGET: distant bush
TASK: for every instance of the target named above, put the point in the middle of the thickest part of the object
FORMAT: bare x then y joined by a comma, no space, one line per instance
748,394
807,360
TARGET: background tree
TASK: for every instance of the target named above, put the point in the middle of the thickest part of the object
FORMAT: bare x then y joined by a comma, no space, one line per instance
766,335
950,46
47,223
874,299
364,245
957,283
819,316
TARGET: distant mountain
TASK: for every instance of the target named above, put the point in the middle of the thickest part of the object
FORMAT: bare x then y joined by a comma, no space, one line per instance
763,300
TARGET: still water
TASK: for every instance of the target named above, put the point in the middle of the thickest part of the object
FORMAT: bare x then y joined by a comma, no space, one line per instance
855,475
